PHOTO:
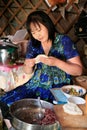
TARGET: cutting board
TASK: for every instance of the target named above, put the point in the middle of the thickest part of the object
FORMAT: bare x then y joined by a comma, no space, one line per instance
67,120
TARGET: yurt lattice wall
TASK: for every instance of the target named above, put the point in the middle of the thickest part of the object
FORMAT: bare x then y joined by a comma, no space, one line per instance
13,14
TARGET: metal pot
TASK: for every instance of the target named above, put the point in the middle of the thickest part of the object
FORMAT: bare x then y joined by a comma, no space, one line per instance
22,108
8,51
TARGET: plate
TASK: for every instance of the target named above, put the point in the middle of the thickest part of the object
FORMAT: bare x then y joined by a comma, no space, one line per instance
73,90
76,100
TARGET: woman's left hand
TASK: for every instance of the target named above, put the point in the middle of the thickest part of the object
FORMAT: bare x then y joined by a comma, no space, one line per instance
49,60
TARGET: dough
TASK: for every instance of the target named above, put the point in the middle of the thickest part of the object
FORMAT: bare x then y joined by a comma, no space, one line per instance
72,109
37,59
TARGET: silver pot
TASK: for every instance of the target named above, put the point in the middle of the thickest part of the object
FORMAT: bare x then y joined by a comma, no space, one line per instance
4,56
26,105
8,52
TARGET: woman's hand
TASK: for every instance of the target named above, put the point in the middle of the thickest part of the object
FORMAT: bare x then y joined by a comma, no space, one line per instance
48,60
72,66
29,62
29,65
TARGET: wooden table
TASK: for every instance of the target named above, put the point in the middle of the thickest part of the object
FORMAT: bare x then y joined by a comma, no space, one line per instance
71,122
74,128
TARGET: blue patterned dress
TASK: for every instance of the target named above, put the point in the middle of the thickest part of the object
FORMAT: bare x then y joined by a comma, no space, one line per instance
45,77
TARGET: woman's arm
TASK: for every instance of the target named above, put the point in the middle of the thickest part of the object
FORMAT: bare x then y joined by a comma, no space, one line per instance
29,66
72,66
29,61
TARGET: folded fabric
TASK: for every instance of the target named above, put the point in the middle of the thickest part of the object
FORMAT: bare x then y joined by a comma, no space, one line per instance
20,77
14,78
59,96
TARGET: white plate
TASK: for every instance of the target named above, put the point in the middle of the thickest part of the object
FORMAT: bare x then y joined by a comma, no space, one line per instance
76,100
78,89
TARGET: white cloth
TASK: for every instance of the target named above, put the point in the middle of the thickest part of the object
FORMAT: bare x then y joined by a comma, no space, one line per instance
11,78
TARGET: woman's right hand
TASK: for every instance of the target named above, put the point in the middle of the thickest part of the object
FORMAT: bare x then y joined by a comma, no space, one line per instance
29,62
29,65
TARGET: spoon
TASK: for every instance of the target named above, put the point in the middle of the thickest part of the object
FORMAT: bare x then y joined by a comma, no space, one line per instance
41,113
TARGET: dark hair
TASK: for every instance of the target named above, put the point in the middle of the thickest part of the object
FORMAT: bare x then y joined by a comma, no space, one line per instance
37,17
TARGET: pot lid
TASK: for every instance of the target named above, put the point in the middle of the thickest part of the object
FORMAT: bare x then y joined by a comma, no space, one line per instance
6,42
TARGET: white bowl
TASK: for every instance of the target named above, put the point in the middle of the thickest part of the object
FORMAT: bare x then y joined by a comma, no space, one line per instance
79,90
76,100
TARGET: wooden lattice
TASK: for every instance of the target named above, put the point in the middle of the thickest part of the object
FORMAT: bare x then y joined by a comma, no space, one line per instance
13,14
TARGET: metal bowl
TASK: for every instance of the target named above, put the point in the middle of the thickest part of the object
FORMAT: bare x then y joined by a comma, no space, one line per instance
20,111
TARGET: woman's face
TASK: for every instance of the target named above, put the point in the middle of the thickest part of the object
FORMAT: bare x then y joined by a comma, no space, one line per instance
39,32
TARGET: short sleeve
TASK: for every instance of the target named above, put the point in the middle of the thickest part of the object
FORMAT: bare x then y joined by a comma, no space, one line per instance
70,49
30,50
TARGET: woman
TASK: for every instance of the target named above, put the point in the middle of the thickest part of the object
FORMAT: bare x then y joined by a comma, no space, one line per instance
55,69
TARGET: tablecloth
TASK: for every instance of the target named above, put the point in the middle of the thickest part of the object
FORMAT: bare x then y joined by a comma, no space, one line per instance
12,77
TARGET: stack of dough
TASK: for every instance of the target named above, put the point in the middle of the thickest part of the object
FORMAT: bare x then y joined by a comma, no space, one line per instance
72,109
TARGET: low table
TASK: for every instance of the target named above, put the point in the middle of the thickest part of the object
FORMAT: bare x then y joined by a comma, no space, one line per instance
71,122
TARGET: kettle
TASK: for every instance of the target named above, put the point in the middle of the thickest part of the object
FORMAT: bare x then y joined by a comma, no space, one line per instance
8,51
